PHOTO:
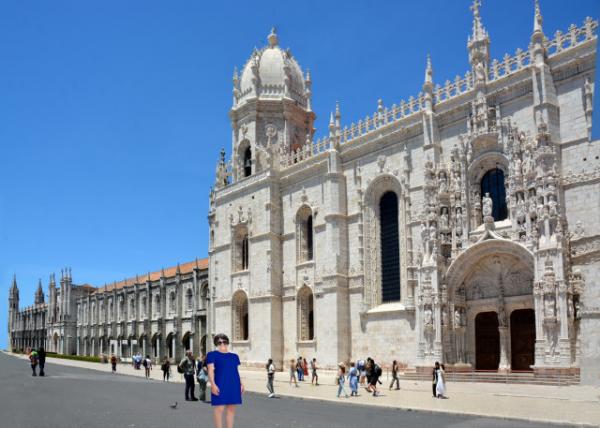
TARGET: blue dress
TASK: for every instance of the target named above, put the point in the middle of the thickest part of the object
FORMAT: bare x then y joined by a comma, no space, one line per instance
227,378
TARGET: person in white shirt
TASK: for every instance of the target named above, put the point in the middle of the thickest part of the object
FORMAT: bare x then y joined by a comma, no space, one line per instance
270,377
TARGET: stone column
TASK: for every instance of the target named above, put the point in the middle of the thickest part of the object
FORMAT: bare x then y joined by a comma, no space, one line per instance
504,357
564,343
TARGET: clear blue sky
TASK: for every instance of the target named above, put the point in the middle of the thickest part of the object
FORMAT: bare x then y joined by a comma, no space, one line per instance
112,113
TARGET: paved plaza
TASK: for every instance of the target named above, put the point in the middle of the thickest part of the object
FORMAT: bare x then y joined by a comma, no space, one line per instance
74,396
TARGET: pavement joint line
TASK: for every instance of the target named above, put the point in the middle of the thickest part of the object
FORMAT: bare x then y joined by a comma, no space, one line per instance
101,368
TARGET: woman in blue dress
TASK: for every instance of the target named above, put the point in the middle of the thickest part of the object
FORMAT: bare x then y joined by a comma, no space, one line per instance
226,388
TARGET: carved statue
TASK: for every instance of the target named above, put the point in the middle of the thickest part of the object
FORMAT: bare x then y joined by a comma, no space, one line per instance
487,205
428,317
457,318
502,320
549,310
479,72
444,218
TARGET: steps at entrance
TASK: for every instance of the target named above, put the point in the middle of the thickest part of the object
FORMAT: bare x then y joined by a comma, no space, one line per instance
495,377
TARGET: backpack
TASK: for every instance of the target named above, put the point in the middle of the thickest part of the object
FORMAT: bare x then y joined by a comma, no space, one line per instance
179,368
378,371
145,363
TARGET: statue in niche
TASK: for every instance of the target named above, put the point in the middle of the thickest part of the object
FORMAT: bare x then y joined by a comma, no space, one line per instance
479,72
487,205
549,309
443,182
444,317
428,317
457,318
552,205
444,218
502,320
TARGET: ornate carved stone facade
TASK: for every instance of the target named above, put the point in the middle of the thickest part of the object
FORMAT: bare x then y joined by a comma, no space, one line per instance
159,314
492,232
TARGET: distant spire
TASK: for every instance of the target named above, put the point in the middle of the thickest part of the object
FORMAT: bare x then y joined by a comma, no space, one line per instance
338,116
14,283
479,33
273,39
39,294
331,125
52,280
178,270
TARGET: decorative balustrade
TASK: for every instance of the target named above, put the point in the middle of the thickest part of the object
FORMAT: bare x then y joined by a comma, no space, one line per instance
451,89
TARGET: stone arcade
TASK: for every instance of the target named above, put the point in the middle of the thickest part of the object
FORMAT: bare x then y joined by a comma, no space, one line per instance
461,225
159,314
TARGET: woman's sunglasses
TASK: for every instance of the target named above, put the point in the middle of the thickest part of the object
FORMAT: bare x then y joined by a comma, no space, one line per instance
223,342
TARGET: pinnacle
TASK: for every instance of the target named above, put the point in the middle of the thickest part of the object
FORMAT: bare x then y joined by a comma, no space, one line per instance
273,39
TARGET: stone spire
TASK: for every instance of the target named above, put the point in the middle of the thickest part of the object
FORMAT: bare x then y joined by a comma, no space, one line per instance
308,90
52,281
338,117
428,71
479,46
538,51
331,126
14,287
39,294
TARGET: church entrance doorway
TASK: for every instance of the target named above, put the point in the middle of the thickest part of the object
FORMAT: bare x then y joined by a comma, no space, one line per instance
522,339
487,341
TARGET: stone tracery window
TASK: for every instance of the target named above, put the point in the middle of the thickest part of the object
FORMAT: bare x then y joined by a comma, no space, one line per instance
493,183
189,299
306,323
241,256
390,247
172,302
240,316
304,234
144,303
157,305
247,162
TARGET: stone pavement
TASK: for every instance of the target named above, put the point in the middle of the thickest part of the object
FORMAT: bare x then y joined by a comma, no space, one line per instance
578,405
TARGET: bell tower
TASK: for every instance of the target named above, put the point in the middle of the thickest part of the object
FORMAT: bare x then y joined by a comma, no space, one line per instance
13,310
271,115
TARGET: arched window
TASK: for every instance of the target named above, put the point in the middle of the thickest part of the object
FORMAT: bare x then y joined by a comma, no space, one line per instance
144,303
204,296
240,251
189,299
157,305
132,309
240,316
172,301
122,309
304,234
306,323
493,183
390,248
248,162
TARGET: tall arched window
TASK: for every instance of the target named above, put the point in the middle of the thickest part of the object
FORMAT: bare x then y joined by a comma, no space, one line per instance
240,316
241,251
132,309
493,183
172,301
204,296
306,323
248,162
144,307
390,248
189,299
157,306
304,234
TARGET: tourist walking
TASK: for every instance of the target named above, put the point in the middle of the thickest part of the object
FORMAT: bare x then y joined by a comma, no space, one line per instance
202,376
353,380
362,371
304,368
434,379
299,369
166,369
147,366
270,377
113,363
373,374
313,368
187,366
293,371
395,378
341,378
440,387
42,360
33,359
226,386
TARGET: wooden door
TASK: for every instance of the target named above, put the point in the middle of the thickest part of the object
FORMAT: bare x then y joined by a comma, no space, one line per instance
522,339
487,341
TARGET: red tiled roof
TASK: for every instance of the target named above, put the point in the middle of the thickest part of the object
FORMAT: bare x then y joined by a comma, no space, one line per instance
168,272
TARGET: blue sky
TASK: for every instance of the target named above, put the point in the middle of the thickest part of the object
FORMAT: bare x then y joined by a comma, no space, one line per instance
112,113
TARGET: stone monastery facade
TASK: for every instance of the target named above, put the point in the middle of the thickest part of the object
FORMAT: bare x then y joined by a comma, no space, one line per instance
459,226
159,314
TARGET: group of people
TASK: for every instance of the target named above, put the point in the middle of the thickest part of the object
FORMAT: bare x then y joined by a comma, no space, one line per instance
366,373
298,370
37,358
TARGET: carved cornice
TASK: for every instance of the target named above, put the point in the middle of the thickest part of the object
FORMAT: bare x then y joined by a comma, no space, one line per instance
583,177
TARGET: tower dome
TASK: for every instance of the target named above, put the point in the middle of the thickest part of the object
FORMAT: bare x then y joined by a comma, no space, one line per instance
271,73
